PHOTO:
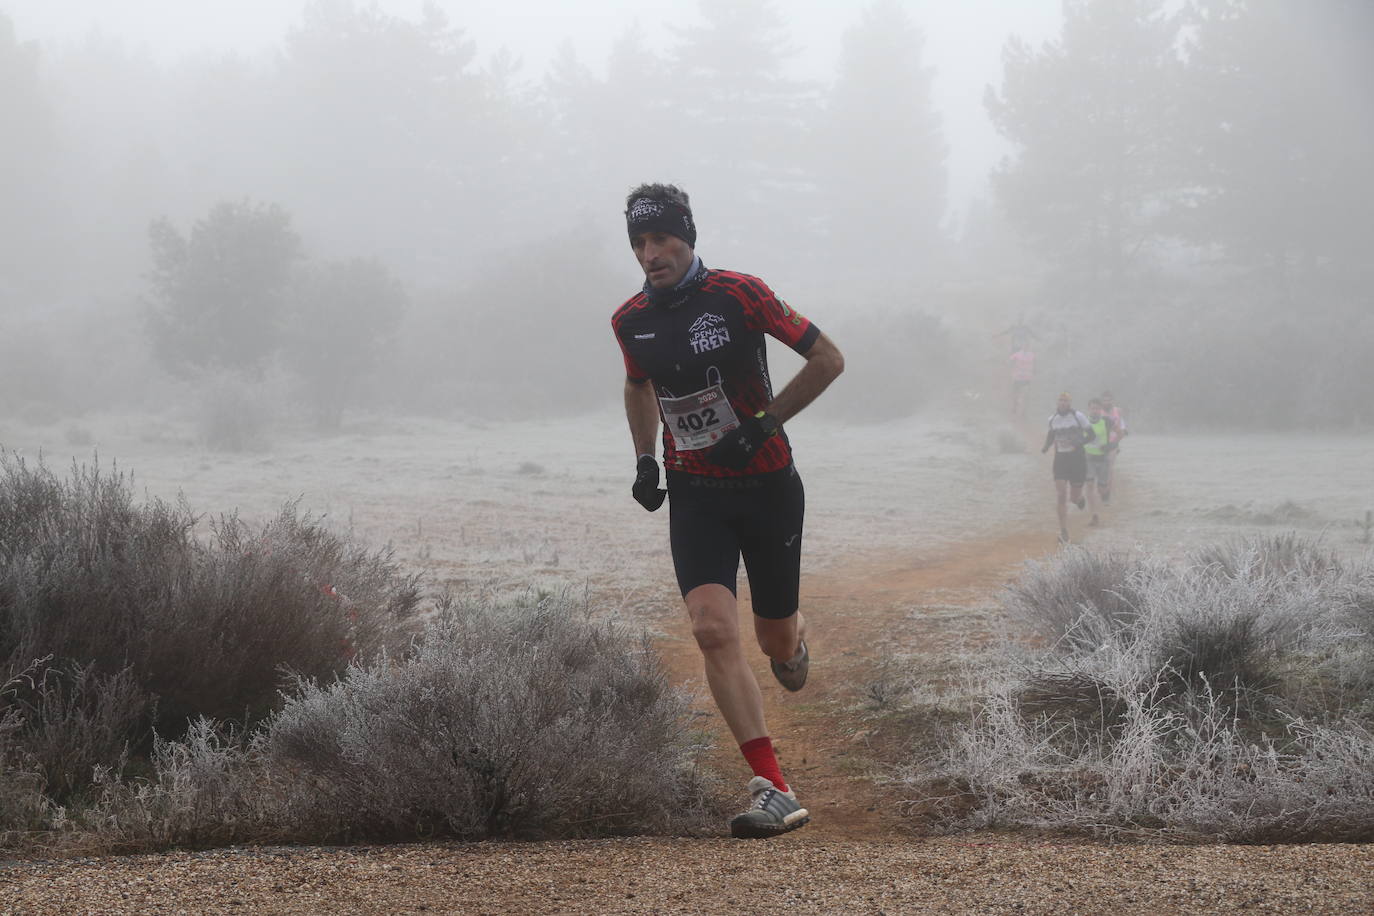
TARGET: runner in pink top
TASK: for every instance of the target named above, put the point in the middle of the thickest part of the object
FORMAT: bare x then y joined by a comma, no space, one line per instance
1022,373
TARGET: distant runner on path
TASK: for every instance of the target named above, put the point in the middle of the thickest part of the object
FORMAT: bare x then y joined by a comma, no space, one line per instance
1022,374
693,344
1069,431
1019,333
1119,432
1099,452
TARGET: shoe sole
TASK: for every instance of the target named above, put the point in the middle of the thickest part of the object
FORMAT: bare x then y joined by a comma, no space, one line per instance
750,831
778,674
787,686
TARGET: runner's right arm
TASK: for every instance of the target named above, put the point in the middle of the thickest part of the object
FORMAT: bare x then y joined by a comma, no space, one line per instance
641,411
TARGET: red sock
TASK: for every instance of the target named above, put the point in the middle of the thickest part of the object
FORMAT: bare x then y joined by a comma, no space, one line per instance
763,761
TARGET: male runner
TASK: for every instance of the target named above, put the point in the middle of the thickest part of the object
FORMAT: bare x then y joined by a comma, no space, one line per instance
1069,431
1098,453
693,343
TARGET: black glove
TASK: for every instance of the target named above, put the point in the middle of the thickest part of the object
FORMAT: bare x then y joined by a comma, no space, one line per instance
737,448
645,490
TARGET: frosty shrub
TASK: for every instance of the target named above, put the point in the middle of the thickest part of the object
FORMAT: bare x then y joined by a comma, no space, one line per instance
23,806
1232,701
1080,598
526,720
1275,555
75,719
209,788
523,720
142,624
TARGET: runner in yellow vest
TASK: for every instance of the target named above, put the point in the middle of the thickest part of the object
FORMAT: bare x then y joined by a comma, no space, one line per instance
1098,451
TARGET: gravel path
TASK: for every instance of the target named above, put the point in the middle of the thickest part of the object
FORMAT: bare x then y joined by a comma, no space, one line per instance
713,876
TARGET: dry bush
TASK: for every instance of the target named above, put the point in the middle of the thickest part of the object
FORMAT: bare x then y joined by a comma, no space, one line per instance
210,788
23,806
527,720
128,606
1184,773
521,720
1236,704
1274,555
1080,598
505,721
73,719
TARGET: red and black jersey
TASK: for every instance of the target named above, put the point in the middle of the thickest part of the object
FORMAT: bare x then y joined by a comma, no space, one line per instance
705,349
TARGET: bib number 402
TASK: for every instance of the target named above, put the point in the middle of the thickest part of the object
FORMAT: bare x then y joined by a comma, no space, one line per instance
697,421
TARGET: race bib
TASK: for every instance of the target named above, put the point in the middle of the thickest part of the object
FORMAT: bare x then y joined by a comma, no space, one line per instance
698,420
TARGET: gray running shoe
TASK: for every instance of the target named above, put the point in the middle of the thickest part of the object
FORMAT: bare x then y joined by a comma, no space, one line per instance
772,812
792,675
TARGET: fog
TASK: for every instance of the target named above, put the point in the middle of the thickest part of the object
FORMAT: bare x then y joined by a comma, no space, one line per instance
332,211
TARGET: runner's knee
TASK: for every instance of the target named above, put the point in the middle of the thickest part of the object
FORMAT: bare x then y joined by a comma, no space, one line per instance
714,626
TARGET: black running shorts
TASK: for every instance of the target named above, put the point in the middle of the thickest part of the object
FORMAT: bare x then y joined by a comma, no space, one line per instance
1071,466
713,521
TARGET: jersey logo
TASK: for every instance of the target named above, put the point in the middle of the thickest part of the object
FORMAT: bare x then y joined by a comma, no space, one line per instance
708,333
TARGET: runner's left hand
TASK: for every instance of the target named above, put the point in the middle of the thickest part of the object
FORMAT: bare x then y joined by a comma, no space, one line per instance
737,449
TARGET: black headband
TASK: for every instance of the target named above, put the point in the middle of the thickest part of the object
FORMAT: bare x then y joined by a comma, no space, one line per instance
648,215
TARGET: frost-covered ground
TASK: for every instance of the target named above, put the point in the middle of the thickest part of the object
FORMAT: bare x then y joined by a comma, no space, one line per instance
546,503
1180,491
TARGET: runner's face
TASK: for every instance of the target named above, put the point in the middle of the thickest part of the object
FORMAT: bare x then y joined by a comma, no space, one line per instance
1064,405
664,258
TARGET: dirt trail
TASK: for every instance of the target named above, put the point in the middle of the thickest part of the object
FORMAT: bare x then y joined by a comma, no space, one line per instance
851,616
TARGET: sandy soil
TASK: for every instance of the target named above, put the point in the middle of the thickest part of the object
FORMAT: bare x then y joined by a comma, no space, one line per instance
912,529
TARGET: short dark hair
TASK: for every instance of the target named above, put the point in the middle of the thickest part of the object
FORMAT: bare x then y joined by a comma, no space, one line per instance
667,193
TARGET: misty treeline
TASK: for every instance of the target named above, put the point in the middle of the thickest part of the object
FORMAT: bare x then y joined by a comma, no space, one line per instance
377,216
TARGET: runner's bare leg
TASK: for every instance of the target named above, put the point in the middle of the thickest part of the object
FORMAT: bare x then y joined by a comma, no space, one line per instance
714,613
781,639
